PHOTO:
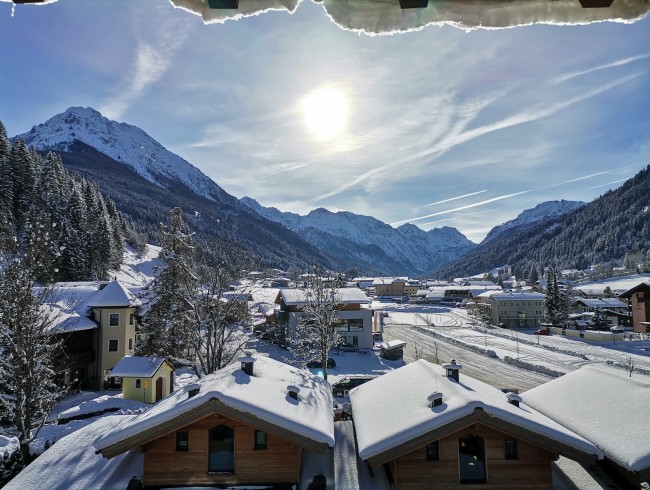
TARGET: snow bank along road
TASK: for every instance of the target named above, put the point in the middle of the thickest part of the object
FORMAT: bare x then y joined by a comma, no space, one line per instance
436,349
452,336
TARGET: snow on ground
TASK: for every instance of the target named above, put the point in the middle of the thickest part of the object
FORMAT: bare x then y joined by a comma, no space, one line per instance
71,464
553,352
622,283
137,270
8,445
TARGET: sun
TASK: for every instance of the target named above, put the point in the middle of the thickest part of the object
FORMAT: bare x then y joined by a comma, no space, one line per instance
325,112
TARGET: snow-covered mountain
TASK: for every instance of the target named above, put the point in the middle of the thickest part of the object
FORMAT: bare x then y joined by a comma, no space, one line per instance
122,142
403,250
529,217
145,181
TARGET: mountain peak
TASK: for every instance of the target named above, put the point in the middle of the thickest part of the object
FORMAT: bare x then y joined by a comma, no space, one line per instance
529,217
123,143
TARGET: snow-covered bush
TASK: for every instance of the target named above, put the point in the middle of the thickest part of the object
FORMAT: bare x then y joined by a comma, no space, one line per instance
11,460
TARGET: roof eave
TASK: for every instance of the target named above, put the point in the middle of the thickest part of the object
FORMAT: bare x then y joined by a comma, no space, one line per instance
210,407
480,416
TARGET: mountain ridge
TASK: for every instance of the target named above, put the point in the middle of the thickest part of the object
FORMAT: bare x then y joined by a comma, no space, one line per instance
152,180
404,250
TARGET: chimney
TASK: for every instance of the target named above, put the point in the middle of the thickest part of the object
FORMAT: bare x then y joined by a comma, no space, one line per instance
453,370
293,391
514,399
193,390
247,363
435,399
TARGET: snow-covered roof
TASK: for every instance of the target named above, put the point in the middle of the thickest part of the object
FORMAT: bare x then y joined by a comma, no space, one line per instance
605,406
602,303
68,307
263,395
406,414
342,296
137,367
644,286
393,344
72,464
113,294
517,296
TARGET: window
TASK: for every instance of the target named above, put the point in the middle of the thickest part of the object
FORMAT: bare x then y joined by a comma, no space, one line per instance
221,449
114,320
112,345
138,384
433,452
471,459
131,319
182,440
511,449
260,439
131,343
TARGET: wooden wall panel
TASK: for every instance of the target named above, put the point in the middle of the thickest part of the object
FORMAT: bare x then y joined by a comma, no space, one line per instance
163,465
532,470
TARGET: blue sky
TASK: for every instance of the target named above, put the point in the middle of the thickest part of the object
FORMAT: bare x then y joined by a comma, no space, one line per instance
443,128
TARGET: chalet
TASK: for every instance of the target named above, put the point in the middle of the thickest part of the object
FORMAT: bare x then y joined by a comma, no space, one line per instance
589,305
353,318
97,323
637,298
438,430
607,407
145,379
515,309
247,424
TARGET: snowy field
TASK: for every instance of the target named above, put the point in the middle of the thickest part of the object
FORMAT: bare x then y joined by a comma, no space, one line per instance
554,353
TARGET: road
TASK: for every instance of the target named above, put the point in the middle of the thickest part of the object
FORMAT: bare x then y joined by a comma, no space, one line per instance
492,371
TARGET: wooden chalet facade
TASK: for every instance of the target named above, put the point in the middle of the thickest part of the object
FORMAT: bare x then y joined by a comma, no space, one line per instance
638,300
232,428
436,431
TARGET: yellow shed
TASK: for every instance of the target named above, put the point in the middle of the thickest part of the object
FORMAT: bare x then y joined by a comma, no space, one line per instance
145,379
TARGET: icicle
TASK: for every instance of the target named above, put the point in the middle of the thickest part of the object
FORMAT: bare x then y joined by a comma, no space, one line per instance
13,9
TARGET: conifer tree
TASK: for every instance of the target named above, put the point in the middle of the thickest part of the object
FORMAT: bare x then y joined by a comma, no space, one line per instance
28,352
168,325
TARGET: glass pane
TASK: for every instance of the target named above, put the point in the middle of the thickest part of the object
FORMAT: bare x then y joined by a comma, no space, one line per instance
471,459
222,449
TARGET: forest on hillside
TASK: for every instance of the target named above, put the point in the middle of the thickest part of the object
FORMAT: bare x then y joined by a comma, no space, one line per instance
60,224
612,227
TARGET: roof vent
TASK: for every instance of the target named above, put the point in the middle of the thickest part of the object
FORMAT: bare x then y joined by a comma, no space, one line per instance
452,369
435,399
193,390
247,363
293,391
514,399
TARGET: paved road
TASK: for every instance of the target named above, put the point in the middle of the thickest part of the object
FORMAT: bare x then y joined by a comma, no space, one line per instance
492,371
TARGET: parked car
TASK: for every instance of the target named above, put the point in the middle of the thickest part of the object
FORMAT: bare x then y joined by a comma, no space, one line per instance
544,331
315,363
342,387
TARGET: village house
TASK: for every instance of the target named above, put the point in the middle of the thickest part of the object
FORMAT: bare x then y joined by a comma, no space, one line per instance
96,322
144,379
392,287
607,407
515,309
637,299
437,429
353,317
247,424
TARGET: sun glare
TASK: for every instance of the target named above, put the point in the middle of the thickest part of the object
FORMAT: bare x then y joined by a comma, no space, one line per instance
325,112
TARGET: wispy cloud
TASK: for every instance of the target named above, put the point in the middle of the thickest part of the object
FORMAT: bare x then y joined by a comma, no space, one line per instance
574,74
156,44
455,198
461,208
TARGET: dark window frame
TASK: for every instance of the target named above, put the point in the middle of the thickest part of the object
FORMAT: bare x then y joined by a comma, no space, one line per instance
511,449
138,384
117,345
257,444
110,320
432,451
182,440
